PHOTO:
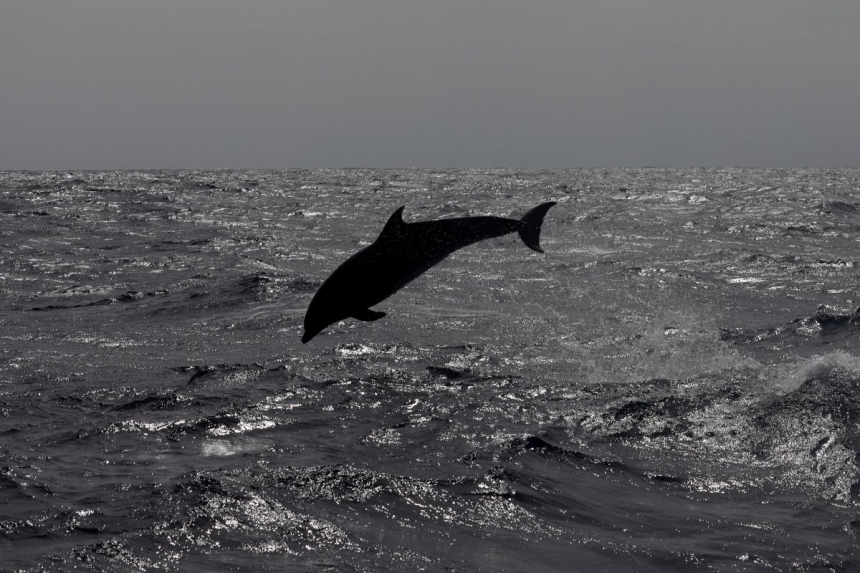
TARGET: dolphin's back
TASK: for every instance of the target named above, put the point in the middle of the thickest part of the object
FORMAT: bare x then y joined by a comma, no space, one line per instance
435,240
401,255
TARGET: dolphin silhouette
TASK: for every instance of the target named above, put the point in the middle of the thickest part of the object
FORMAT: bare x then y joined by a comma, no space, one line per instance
401,253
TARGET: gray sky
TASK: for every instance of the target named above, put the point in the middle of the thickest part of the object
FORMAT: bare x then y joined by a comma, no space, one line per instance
110,84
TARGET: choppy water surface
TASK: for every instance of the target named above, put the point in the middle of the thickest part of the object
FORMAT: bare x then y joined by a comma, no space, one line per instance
673,386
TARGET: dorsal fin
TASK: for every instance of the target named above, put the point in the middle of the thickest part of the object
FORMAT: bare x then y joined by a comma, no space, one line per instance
394,224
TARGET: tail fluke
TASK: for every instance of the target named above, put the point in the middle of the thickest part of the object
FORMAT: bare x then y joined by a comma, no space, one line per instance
530,226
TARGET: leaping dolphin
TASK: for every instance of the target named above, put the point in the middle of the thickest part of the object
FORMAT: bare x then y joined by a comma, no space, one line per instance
401,253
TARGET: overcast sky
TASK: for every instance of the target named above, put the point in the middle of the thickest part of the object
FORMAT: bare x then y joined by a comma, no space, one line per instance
114,84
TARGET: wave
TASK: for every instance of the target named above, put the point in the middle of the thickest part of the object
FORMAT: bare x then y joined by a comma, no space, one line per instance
791,427
828,326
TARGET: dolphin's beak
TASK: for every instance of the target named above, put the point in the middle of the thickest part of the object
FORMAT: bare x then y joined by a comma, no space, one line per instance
310,333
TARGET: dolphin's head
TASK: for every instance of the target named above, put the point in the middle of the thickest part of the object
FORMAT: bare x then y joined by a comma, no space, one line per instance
341,294
312,328
321,313
310,333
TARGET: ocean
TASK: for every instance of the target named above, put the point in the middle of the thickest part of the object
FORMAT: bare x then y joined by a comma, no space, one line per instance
674,385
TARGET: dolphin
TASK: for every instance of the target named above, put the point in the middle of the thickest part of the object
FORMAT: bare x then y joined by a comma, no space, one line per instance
402,252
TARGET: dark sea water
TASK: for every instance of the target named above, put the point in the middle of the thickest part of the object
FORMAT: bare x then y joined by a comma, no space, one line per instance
673,386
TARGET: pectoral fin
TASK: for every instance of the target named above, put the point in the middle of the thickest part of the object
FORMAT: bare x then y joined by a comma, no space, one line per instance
368,315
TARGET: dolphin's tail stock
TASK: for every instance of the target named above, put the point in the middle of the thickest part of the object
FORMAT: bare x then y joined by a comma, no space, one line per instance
530,226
